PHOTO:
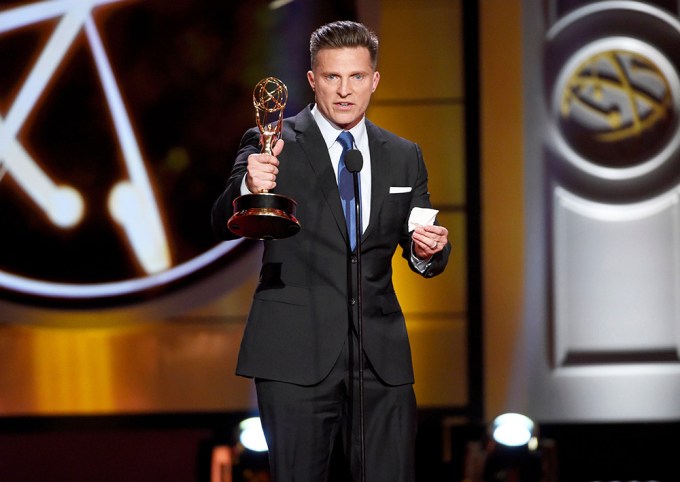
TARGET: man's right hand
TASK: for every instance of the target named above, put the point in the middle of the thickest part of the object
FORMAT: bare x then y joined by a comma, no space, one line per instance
263,169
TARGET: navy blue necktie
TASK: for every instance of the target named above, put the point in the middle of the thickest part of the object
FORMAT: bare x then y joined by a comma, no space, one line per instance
346,188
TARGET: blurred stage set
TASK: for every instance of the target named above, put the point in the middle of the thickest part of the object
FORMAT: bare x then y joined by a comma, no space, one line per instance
550,130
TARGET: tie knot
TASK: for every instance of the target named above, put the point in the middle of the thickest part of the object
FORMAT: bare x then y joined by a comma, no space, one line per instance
346,140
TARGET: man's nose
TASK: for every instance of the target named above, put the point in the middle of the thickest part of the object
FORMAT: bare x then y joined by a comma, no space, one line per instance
343,88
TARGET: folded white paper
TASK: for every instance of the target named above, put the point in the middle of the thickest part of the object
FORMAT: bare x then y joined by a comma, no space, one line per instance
399,189
421,217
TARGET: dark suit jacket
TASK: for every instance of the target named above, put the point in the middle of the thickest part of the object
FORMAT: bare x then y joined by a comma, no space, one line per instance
299,317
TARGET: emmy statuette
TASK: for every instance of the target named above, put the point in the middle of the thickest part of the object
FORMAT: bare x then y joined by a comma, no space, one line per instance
266,215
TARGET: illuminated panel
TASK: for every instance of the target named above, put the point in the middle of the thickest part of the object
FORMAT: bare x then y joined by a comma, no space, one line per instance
616,279
61,388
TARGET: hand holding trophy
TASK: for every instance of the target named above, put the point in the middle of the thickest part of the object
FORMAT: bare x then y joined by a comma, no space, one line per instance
266,215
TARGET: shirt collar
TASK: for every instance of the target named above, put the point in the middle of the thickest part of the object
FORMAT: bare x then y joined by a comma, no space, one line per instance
330,131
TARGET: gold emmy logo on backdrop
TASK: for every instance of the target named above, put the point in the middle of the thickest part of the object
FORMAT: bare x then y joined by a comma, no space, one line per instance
616,108
266,215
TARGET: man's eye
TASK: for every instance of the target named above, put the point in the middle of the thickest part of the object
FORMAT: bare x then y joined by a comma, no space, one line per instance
359,76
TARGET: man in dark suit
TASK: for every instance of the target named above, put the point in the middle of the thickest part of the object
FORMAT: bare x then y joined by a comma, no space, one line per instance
300,341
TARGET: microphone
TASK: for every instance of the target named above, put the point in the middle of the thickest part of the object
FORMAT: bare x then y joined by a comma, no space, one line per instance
354,161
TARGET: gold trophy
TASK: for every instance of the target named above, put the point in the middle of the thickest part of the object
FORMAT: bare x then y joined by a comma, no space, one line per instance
266,215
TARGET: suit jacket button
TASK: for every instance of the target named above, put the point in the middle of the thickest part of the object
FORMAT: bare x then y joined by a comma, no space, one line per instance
354,259
352,301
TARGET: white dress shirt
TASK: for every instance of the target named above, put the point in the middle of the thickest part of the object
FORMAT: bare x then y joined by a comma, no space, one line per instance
330,133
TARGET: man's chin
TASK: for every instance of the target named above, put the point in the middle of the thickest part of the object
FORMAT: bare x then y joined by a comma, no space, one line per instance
346,120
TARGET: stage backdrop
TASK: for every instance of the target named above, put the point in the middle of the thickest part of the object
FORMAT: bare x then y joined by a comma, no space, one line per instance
602,97
118,124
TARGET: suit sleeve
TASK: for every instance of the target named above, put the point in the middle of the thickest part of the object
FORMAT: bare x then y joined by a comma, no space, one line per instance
223,208
421,198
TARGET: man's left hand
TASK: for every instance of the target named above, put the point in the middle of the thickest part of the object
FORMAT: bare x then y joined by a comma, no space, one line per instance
429,240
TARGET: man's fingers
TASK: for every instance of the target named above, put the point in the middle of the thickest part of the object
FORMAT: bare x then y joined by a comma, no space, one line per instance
262,169
278,147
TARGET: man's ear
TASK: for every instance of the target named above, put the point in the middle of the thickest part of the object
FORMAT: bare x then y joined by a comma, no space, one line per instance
310,79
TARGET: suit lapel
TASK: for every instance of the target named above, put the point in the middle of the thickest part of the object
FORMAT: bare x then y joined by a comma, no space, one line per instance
310,140
380,182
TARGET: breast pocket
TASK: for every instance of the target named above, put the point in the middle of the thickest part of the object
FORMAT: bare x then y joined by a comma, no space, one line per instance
395,213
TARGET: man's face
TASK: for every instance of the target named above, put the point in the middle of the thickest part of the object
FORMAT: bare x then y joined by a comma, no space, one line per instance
343,81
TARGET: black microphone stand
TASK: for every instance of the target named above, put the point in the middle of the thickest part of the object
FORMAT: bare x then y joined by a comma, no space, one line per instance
354,162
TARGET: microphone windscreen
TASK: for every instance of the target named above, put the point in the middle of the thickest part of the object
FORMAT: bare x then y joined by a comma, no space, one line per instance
354,161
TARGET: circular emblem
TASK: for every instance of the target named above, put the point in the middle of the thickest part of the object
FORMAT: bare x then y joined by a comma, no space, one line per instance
615,107
613,96
616,104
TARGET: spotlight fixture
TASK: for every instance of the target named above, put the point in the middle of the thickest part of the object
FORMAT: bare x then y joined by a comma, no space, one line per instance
515,453
251,435
513,430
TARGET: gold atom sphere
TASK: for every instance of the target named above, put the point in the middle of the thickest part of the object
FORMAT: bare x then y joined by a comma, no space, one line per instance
270,95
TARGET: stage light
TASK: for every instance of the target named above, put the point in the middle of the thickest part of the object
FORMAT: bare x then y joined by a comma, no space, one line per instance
515,452
513,430
251,435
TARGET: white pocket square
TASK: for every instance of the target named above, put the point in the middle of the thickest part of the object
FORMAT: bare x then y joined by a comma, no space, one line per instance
399,189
